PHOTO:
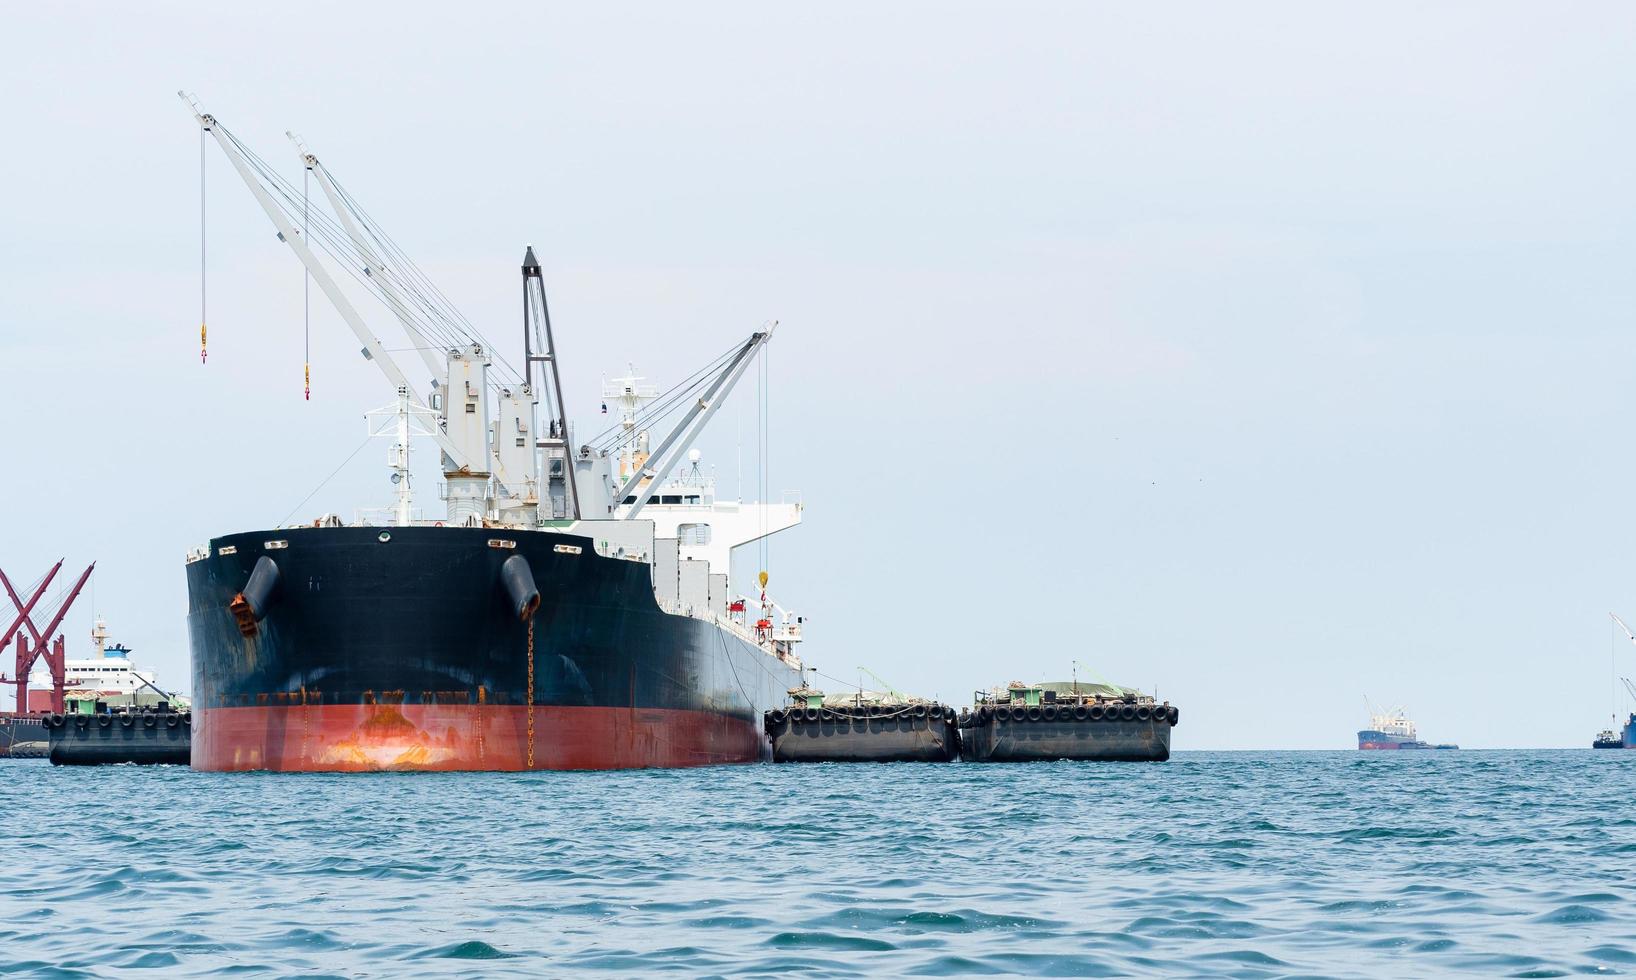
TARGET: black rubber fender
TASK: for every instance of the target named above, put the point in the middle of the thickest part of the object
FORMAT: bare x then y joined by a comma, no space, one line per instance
1144,713
1095,712
104,721
1081,713
1175,714
1127,712
1035,713
1049,712
518,581
810,714
171,721
1018,714
148,720
126,721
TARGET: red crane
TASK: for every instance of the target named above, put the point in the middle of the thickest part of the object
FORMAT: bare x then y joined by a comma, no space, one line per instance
18,622
54,653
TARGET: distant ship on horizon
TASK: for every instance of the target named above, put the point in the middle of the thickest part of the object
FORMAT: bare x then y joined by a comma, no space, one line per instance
1392,729
1620,736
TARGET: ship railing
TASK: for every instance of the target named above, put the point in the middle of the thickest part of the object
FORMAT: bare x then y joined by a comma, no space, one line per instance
769,644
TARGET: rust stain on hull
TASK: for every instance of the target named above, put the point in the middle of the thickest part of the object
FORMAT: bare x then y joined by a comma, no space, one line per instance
386,736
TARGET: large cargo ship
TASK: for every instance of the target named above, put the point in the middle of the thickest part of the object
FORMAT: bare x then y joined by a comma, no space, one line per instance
1392,729
570,609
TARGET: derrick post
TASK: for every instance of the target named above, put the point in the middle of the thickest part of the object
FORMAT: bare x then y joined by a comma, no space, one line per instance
57,659
25,662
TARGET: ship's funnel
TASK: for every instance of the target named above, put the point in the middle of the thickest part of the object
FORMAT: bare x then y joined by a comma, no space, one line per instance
518,581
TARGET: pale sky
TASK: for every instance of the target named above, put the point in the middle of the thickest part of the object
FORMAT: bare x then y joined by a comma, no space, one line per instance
1273,354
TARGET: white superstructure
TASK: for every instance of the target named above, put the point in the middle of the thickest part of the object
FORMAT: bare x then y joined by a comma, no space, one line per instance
1394,722
111,676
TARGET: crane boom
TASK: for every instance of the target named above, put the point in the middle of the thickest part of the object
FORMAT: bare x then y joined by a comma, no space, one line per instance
1629,687
385,276
1623,627
40,636
681,437
25,608
297,242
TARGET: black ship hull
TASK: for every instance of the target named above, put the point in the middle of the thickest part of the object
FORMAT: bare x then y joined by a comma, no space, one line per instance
401,648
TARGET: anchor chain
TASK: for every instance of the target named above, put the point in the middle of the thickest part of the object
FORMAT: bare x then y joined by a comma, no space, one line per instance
531,692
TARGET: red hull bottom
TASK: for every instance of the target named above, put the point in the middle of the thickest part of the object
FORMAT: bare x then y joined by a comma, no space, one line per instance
387,737
1400,746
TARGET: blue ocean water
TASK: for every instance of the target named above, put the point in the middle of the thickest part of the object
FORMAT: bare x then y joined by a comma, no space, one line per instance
1228,864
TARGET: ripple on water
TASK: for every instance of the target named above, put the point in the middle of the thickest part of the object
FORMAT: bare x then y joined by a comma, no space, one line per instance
1234,864
471,949
1574,914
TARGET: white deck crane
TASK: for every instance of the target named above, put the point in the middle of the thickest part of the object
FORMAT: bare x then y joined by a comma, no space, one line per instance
376,267
1622,626
492,472
681,438
291,236
464,445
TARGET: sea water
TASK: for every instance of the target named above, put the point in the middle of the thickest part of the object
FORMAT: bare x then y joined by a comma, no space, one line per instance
1247,864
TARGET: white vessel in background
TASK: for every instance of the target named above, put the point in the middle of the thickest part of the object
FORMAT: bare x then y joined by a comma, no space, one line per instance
111,677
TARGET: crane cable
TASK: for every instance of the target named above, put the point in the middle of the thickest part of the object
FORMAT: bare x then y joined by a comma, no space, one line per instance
764,395
431,319
203,353
306,299
613,437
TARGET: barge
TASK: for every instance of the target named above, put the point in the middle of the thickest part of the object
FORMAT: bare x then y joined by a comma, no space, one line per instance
95,735
1066,720
862,727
